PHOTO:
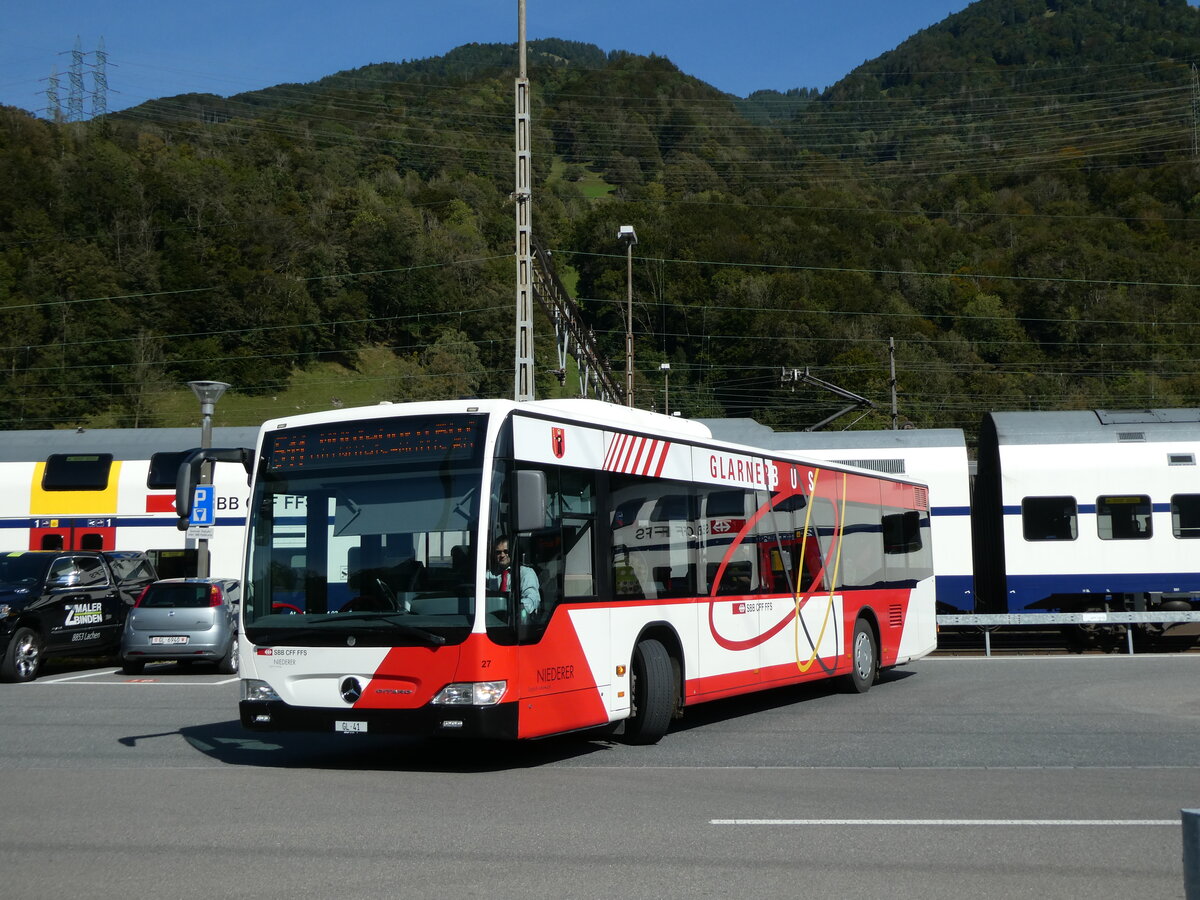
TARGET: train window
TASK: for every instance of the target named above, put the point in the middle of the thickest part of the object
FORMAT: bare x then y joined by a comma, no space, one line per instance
76,472
1049,518
174,563
164,467
1124,518
1185,515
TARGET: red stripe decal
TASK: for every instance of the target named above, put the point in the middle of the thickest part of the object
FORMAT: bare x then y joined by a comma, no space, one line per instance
662,460
651,449
614,452
640,444
607,465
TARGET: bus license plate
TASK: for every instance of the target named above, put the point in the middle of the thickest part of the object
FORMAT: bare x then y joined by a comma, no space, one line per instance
350,727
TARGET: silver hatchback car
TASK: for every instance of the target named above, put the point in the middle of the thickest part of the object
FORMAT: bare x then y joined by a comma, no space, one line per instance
185,620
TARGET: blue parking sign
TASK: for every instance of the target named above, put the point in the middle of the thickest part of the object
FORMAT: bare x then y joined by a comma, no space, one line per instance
202,506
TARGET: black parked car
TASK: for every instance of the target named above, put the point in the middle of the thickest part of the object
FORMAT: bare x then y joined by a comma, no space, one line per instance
64,603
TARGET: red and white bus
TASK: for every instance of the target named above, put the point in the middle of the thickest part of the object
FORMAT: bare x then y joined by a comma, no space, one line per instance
659,568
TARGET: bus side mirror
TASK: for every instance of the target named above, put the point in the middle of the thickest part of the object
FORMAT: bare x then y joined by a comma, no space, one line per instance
531,500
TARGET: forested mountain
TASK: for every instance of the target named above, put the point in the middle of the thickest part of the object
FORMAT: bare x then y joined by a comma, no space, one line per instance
1010,194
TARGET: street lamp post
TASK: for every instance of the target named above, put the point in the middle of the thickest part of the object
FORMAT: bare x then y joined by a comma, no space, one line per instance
666,370
208,393
629,236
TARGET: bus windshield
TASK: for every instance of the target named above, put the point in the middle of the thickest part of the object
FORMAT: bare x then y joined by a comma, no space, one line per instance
374,546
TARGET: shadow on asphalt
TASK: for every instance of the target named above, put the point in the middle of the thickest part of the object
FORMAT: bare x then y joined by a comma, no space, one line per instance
229,743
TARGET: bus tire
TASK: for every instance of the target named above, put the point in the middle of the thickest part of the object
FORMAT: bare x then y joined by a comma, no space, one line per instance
653,691
23,658
864,658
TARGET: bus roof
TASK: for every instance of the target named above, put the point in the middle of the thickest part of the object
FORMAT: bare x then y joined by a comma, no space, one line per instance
752,432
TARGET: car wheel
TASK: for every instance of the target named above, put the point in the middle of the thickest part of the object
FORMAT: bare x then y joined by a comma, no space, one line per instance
24,656
132,667
228,664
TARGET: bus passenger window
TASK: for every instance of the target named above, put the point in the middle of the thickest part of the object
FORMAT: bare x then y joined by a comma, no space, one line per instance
654,543
725,514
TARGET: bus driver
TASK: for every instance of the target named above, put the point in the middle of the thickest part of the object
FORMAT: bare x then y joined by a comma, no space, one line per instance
500,572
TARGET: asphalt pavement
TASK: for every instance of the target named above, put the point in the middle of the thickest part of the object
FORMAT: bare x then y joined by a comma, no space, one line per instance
1006,777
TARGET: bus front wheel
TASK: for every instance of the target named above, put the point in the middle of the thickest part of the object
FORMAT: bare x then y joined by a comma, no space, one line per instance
653,693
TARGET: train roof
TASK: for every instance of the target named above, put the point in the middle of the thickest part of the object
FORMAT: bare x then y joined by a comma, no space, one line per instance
122,443
1095,426
754,433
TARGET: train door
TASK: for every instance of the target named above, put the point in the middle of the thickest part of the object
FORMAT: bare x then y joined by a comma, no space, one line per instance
73,534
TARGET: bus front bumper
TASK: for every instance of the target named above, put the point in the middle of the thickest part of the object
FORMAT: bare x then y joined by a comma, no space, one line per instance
490,722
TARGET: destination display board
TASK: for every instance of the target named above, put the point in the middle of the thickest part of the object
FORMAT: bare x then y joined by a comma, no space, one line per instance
412,439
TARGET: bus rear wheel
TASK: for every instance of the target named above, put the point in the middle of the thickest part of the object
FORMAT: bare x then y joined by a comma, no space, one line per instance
864,658
654,692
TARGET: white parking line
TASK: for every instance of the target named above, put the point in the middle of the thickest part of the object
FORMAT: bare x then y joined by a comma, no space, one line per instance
129,679
1071,823
60,680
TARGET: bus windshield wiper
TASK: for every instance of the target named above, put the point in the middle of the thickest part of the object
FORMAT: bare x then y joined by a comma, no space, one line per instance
392,619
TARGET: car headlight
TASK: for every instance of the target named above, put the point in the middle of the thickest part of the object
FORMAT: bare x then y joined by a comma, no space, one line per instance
471,693
254,689
5,610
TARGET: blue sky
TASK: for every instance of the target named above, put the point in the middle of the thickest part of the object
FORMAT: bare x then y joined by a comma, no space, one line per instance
159,48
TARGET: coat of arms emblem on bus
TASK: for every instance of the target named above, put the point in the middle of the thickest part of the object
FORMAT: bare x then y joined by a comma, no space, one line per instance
558,442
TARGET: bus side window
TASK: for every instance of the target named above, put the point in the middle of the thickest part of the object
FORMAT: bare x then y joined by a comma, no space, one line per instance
654,538
576,513
578,571
725,514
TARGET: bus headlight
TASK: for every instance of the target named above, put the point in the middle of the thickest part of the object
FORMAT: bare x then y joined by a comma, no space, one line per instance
471,693
253,689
